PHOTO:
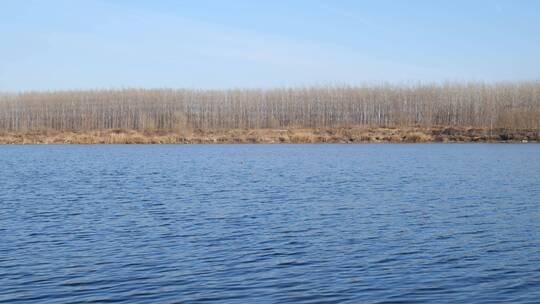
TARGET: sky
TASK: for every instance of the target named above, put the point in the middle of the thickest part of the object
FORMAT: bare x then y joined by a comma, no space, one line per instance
75,44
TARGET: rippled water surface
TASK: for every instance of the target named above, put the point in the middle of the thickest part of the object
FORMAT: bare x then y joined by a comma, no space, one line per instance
270,223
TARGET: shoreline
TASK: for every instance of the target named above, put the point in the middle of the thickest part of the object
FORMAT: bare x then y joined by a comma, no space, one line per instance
354,134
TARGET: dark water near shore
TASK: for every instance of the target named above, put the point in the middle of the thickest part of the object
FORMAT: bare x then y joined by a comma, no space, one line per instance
270,223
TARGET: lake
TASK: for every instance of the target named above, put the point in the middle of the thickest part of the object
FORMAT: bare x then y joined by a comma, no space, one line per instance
369,223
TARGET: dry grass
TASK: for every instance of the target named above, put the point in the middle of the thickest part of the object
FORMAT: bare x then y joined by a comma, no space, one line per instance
352,134
417,137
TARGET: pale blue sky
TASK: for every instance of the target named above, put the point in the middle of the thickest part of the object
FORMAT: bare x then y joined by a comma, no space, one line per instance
72,44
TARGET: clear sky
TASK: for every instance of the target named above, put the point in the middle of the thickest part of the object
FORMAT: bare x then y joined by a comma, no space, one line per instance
71,44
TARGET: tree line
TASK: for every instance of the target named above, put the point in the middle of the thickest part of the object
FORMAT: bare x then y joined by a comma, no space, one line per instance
512,105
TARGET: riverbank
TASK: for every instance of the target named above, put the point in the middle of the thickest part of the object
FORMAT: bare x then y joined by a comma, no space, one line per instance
358,134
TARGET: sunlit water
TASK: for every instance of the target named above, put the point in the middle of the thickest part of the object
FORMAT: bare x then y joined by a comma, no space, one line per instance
270,223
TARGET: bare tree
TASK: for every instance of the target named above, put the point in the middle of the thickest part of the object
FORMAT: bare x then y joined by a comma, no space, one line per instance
496,105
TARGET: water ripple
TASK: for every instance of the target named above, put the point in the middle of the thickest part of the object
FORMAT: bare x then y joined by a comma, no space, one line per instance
270,224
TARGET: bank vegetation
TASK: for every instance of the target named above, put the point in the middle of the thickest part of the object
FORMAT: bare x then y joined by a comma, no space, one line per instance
397,113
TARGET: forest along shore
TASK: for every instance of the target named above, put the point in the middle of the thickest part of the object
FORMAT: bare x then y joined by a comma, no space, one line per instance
450,112
358,134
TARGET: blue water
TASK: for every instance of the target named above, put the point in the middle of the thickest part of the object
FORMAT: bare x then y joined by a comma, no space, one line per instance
381,223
